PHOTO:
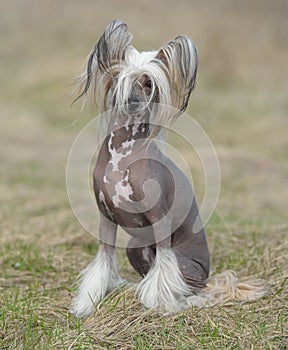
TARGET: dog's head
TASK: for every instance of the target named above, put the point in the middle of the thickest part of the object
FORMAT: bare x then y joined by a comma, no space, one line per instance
117,75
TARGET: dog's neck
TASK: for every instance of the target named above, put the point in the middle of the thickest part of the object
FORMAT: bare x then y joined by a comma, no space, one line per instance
125,129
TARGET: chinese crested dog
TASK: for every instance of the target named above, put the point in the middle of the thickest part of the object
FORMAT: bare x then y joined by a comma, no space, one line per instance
139,188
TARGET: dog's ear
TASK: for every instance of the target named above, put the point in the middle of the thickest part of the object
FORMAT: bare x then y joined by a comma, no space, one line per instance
112,45
109,50
180,61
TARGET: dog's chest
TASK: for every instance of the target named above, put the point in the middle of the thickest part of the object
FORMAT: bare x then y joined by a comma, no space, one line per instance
117,201
113,189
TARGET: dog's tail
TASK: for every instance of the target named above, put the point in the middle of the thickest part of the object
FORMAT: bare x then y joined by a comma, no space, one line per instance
225,288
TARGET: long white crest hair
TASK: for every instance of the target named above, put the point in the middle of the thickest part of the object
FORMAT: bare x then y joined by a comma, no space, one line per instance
114,65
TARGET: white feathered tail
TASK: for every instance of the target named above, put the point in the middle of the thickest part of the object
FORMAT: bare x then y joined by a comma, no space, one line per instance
225,288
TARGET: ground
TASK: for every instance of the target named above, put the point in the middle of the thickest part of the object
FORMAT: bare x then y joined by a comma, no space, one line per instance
241,101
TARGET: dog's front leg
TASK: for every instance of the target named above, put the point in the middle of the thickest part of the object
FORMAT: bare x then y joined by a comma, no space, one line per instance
101,275
163,287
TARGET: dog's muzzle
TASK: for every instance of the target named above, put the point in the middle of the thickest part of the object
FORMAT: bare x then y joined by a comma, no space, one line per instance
134,103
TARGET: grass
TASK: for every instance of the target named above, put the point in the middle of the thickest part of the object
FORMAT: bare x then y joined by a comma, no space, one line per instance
240,101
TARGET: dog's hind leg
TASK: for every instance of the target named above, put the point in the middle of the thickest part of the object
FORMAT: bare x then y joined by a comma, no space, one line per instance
163,288
141,255
101,275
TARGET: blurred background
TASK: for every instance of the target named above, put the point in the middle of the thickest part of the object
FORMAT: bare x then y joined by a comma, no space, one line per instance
241,101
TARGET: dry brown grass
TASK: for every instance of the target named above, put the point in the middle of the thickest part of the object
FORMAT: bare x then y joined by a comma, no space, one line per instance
121,323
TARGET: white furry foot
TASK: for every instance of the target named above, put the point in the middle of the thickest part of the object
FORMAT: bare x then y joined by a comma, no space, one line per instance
100,277
163,288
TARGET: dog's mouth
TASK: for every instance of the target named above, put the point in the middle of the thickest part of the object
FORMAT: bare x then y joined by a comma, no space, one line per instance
133,103
136,107
133,106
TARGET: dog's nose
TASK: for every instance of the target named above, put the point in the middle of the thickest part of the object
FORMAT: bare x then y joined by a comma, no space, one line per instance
133,103
133,100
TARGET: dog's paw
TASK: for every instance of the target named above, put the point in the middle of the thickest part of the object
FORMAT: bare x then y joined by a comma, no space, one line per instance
163,288
82,305
85,303
119,283
160,297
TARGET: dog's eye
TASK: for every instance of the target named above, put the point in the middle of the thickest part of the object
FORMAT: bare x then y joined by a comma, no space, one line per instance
148,84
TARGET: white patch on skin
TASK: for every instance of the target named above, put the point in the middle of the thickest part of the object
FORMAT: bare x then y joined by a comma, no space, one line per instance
135,129
146,255
102,199
110,141
126,178
128,122
127,143
123,190
116,156
105,180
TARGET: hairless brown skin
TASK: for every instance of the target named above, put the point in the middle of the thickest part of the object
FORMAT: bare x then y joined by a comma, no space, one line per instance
142,164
